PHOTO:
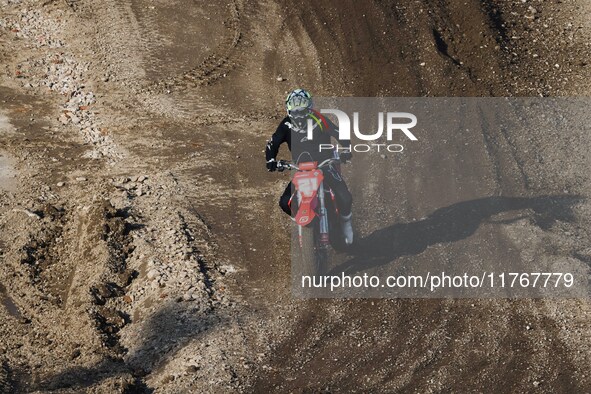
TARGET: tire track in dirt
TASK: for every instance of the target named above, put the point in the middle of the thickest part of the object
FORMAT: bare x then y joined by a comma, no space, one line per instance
159,63
218,64
118,33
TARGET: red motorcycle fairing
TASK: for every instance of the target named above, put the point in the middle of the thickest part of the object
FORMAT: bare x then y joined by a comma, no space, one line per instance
307,181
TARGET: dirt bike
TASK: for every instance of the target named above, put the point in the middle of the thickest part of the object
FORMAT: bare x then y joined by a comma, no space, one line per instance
317,218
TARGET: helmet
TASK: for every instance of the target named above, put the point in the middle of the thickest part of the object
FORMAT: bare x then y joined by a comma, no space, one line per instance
299,105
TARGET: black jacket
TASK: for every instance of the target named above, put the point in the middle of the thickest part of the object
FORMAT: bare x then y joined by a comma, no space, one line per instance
299,144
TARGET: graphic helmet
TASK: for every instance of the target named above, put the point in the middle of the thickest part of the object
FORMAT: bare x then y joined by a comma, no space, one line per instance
299,105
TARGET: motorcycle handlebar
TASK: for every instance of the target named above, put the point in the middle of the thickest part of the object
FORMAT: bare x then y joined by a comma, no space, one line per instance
286,165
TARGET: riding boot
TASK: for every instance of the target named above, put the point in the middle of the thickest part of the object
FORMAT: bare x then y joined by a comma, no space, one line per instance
347,228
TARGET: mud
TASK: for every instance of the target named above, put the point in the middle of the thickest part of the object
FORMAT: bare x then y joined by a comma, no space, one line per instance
141,246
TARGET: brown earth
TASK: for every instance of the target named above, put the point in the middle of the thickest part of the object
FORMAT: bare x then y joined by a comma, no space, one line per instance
141,246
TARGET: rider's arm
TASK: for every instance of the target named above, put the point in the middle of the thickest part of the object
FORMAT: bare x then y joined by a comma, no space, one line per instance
333,130
278,138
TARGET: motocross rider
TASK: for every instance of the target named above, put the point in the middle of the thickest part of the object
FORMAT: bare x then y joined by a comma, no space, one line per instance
293,131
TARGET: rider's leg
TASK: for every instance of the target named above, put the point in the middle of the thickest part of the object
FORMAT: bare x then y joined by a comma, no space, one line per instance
343,196
344,202
284,200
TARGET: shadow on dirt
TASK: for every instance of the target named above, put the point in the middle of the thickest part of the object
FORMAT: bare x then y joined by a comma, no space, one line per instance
164,334
451,224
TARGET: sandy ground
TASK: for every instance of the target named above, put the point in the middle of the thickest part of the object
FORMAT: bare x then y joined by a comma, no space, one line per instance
141,246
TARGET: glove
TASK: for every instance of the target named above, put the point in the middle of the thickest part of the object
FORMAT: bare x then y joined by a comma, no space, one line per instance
345,156
271,165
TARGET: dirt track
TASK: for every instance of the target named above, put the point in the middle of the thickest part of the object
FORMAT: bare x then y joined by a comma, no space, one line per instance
135,243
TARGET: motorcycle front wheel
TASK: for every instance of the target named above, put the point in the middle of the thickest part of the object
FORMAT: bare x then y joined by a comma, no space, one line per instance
308,258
